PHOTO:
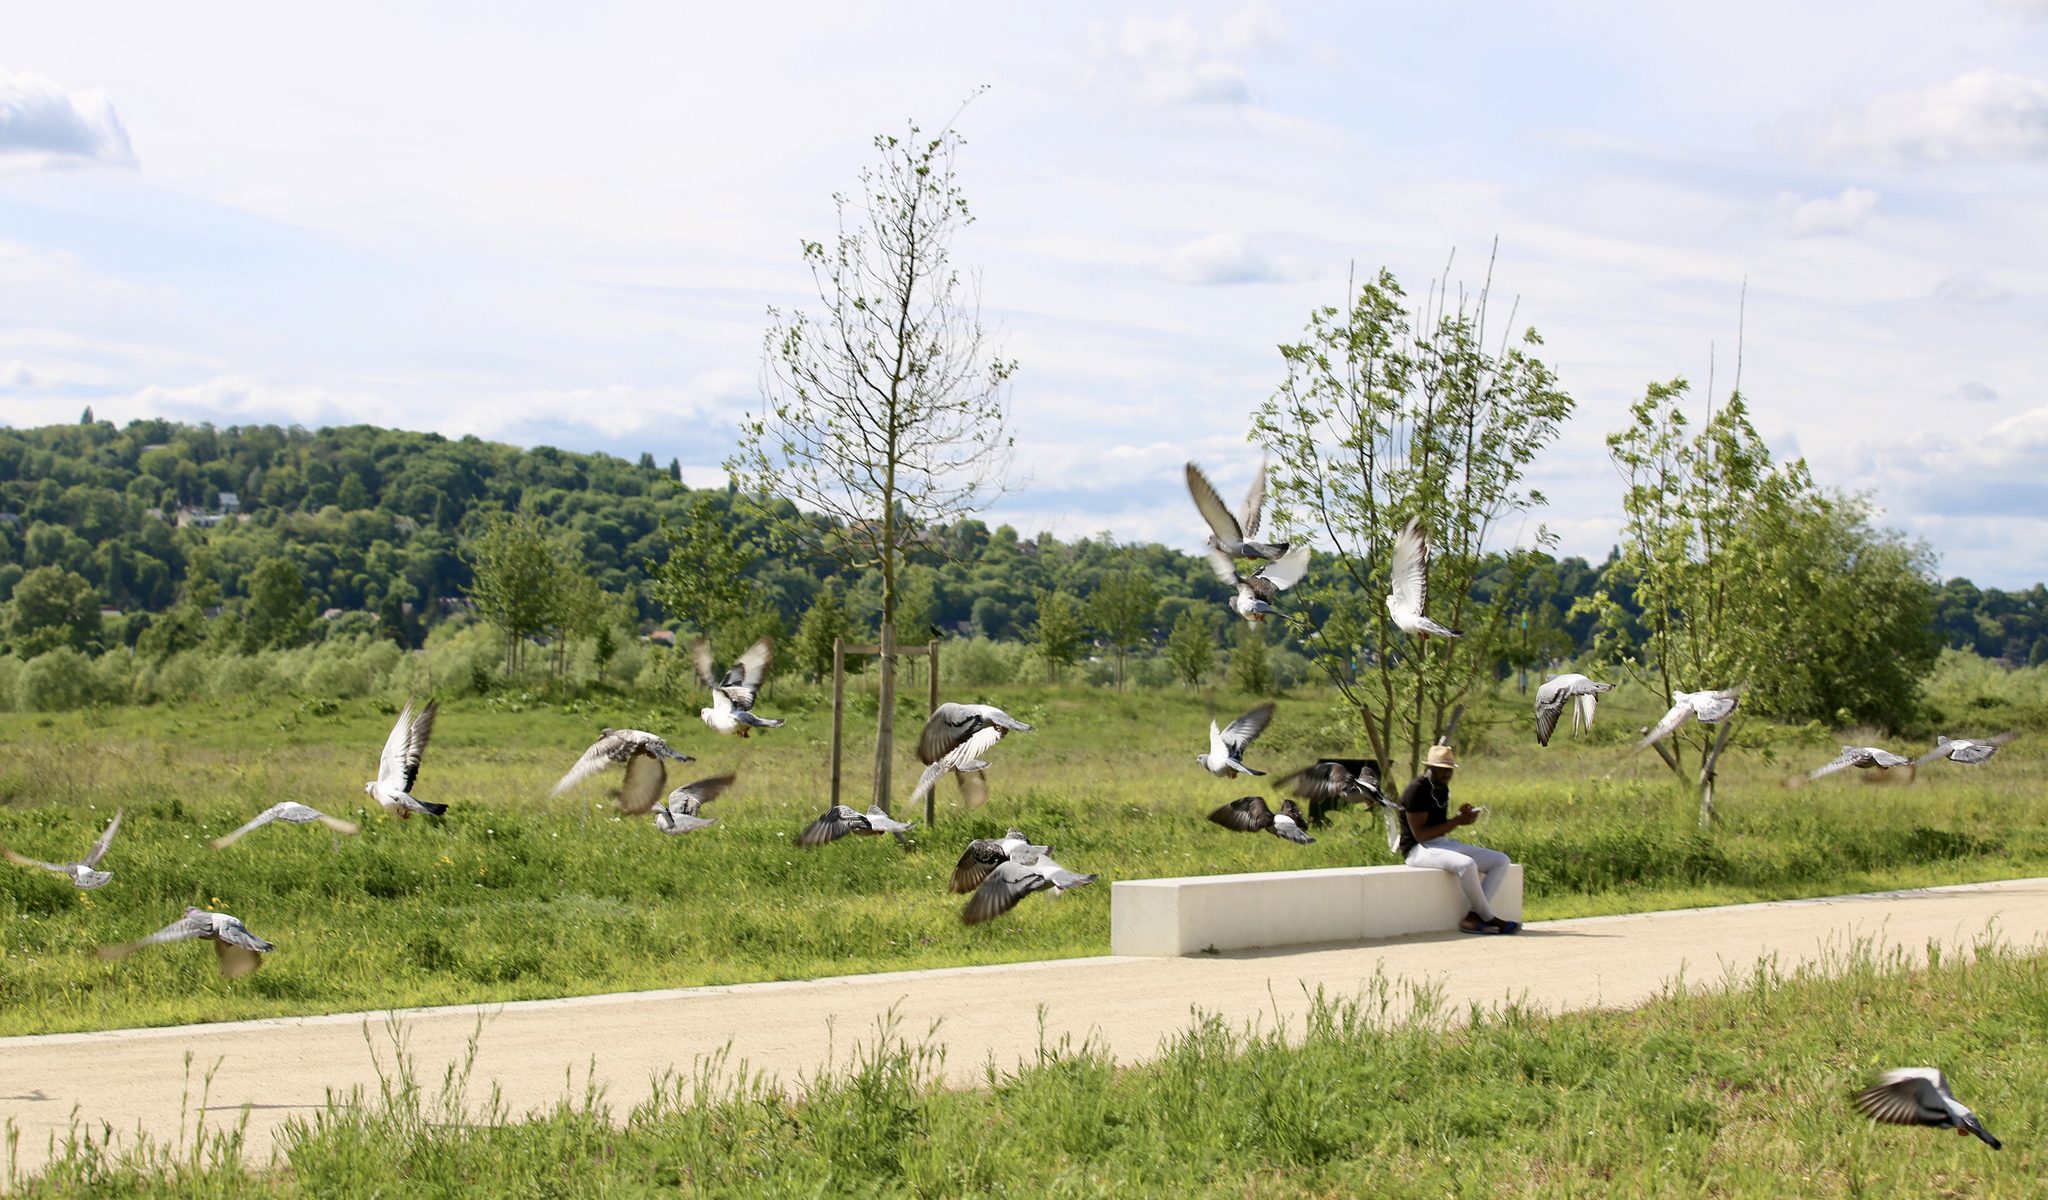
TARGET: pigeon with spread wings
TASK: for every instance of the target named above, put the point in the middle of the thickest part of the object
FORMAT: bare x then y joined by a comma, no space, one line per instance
1410,594
398,767
1251,814
237,950
954,739
839,820
1257,593
984,855
642,753
1968,751
1707,707
1920,1096
1232,533
83,874
1225,758
1011,881
1330,784
679,815
733,694
1866,757
290,812
1575,692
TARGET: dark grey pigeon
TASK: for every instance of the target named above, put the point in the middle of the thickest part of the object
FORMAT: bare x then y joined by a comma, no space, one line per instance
1920,1096
1231,533
1251,815
1330,784
1011,881
839,820
986,854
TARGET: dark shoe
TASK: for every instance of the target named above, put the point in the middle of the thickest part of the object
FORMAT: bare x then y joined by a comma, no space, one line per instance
1473,924
1502,925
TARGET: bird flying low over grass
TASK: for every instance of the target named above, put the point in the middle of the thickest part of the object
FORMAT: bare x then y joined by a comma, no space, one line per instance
1575,692
1330,784
1410,579
614,747
1251,815
733,694
954,739
290,812
1867,757
1920,1096
1967,751
1011,881
679,815
237,950
1225,758
1708,707
839,820
984,855
1257,593
398,768
83,874
1229,533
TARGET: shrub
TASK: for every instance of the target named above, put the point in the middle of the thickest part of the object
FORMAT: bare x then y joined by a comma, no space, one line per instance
56,681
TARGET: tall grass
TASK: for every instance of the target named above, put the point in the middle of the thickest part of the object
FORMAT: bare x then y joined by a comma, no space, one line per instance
1740,1090
518,896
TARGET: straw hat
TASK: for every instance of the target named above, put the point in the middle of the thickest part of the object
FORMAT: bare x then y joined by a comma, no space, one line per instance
1441,756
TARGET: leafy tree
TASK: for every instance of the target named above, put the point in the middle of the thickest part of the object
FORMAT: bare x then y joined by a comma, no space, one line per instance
53,607
396,625
513,561
702,581
1121,611
1057,632
824,622
278,612
1385,417
887,411
1190,648
1251,668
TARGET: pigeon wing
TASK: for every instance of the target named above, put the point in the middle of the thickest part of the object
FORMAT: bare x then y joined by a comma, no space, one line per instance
1248,814
1680,713
399,766
233,932
1240,734
595,759
1288,569
256,822
1254,501
1846,759
23,860
950,725
1551,700
1908,1096
1410,570
646,777
180,930
1000,892
835,824
233,961
700,656
99,848
981,856
752,668
690,797
1224,566
1221,523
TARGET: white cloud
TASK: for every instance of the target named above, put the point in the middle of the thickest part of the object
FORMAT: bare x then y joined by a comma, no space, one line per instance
1985,115
14,374
1973,392
42,124
1824,214
1172,60
1225,258
1971,287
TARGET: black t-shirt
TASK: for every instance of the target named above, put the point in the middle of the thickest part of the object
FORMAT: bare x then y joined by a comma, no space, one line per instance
1424,796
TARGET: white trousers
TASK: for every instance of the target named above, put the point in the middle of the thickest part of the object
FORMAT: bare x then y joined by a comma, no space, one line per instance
1479,870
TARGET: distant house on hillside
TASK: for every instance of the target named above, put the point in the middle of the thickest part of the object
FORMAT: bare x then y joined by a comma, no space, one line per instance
197,518
663,637
230,503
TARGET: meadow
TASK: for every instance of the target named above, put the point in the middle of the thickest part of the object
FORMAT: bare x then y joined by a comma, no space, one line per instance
1737,1090
516,895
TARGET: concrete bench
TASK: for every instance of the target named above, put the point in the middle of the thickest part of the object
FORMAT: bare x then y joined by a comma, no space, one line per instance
1165,918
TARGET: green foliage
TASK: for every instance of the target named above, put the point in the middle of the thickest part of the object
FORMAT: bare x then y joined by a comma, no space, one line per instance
1121,610
1057,632
517,578
53,607
1384,417
278,612
1251,670
1191,648
702,582
57,680
824,623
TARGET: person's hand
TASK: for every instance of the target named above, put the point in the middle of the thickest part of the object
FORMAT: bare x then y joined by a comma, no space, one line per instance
1466,815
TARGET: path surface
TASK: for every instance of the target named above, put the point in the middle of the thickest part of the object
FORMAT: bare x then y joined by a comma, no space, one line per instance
137,1079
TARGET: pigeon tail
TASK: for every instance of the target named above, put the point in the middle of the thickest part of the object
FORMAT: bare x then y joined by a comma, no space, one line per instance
432,810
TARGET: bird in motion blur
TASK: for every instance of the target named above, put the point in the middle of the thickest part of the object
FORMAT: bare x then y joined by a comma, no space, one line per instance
1330,784
839,820
1575,692
1920,1096
954,739
1708,707
236,950
1255,597
1250,814
1227,745
398,767
291,812
83,874
679,814
1011,881
733,694
615,747
1866,757
1228,532
986,854
1410,595
1967,751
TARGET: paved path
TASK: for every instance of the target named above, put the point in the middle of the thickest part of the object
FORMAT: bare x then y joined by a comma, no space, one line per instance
134,1079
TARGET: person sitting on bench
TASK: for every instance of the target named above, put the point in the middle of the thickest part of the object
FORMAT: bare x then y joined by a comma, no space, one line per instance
1425,842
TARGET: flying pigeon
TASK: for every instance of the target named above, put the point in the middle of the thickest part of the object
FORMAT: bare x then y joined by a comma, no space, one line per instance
1709,707
1250,815
733,694
1862,756
839,820
1333,783
1920,1096
239,951
292,813
1011,881
399,766
955,738
1967,751
1575,692
984,855
82,873
679,815
1225,758
615,746
1257,593
1411,586
1230,533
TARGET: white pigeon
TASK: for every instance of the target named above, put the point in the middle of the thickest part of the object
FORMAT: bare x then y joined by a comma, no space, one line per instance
1232,533
290,812
1575,692
1411,586
1225,758
1867,757
1920,1096
614,747
83,874
399,765
839,820
1708,707
1967,751
1257,593
679,815
1250,814
1012,881
734,693
237,950
986,854
954,739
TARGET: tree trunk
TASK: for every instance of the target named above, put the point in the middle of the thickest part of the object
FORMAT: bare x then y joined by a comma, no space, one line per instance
885,722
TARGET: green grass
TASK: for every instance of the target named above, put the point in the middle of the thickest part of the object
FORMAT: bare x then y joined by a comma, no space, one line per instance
1741,1090
518,896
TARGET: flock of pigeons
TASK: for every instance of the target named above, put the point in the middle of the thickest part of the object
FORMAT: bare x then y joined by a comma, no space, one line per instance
997,873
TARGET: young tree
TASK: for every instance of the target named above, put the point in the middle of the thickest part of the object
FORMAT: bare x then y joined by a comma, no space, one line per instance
1057,632
1251,671
1121,611
53,607
887,411
516,578
1387,416
824,623
278,612
703,580
1190,648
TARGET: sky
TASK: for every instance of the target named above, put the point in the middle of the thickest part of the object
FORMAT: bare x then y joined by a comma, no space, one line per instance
554,226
